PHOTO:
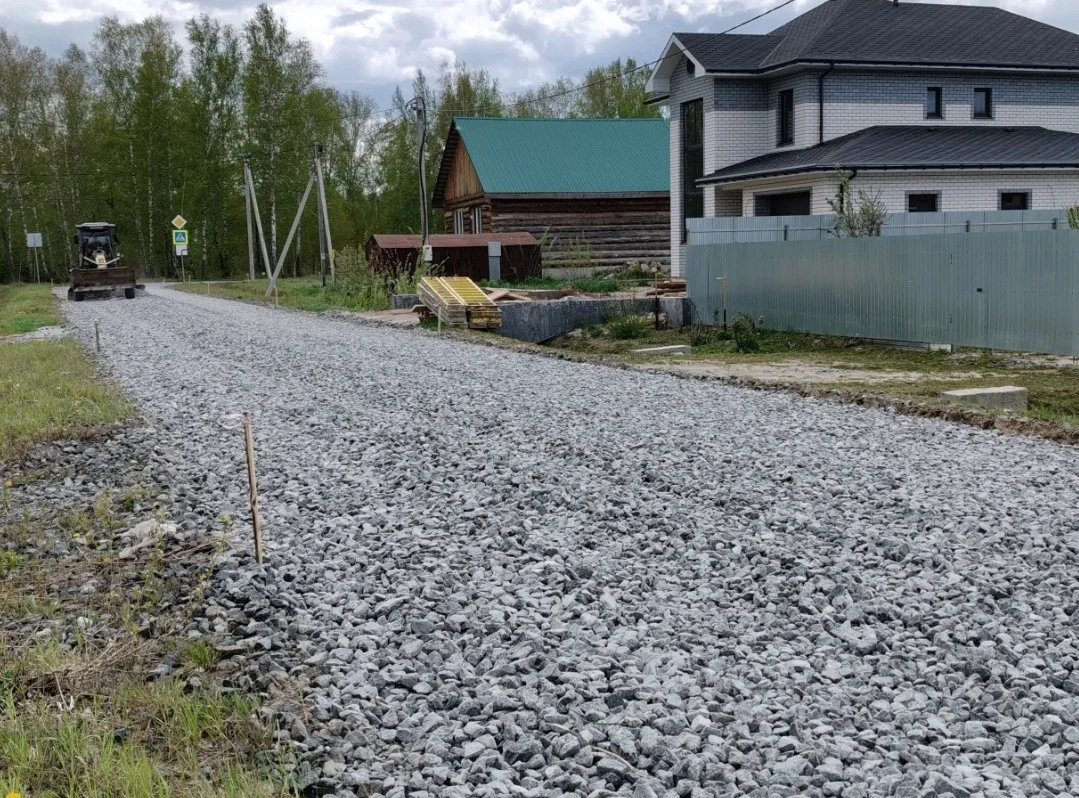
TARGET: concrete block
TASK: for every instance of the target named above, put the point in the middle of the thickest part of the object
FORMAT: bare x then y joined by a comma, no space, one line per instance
542,321
664,350
1006,397
404,301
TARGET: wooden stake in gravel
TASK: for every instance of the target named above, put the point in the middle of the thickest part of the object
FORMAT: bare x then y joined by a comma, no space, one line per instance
97,334
249,443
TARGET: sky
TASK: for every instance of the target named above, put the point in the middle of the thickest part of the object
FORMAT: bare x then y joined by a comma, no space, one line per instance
373,45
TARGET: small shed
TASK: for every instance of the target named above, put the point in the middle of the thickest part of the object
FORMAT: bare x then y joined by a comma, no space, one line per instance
594,191
458,255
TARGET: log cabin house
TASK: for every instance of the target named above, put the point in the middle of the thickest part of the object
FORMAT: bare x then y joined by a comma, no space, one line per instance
595,192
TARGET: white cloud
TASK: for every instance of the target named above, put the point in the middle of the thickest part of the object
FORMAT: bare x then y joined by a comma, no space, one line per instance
373,44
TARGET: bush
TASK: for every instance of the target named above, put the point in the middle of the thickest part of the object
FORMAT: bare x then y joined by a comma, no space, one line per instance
746,333
699,334
626,327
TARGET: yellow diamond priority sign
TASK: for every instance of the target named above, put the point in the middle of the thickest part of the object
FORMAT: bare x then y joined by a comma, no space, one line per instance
179,222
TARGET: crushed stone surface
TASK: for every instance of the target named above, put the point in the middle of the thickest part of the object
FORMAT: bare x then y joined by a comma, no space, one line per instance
499,574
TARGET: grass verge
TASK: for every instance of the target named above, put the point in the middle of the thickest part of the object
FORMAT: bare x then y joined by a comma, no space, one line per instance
99,693
303,293
50,390
25,307
851,364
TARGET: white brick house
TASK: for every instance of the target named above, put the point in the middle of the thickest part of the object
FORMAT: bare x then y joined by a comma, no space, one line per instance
941,107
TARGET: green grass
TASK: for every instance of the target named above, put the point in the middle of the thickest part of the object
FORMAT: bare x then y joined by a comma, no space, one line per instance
50,390
85,718
1053,394
135,738
25,307
303,293
589,285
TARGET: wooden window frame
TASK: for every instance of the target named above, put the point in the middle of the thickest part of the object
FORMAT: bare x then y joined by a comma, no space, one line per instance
477,219
459,221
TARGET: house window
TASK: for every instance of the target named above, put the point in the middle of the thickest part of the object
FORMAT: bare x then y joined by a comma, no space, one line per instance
477,219
1015,200
796,203
459,221
923,203
934,103
983,103
786,117
692,161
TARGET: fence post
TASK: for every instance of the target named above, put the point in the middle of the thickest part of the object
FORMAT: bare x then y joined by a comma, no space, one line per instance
786,232
1056,223
494,261
968,225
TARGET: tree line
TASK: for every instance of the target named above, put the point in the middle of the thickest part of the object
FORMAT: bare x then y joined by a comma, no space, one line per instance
143,126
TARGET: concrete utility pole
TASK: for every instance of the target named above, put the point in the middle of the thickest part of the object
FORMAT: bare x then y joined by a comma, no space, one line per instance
291,233
250,233
325,215
258,217
419,105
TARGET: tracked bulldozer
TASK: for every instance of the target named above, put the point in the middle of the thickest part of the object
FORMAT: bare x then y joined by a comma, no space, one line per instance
98,270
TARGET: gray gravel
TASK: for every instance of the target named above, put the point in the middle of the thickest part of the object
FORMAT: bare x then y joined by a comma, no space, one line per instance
508,575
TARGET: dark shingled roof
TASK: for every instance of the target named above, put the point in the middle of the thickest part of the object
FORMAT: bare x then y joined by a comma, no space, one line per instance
918,147
880,32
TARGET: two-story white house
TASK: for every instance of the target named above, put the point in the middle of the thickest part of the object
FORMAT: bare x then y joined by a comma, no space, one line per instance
940,107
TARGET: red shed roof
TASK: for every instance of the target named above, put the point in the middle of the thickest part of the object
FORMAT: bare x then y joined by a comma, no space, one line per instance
447,240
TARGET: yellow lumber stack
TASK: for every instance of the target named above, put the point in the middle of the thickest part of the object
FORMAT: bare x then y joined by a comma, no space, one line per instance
458,301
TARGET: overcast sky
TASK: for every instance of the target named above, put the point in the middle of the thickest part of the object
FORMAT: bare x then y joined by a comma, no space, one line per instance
372,45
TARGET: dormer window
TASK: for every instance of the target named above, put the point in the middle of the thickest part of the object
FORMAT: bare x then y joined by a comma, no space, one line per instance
983,103
934,103
786,118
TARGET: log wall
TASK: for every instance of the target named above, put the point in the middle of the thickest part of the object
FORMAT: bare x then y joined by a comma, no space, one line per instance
604,232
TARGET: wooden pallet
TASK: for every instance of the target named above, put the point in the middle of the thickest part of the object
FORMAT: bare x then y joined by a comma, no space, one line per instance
459,302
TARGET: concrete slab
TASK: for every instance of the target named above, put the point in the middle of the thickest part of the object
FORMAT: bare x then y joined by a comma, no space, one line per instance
664,350
1005,397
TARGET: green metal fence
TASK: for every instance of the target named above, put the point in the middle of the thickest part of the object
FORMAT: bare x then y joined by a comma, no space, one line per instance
1009,290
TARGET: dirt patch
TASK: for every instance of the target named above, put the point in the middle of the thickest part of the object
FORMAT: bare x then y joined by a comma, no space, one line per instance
392,318
795,371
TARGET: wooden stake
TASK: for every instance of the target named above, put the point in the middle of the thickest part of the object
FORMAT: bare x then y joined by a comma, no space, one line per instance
97,334
249,444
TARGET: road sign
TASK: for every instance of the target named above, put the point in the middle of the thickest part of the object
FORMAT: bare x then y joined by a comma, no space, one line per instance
33,240
181,250
179,238
179,222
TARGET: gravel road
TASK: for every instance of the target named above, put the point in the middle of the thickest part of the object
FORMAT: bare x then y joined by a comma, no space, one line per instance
501,574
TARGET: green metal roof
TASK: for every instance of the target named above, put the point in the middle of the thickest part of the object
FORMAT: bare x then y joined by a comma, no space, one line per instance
565,156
